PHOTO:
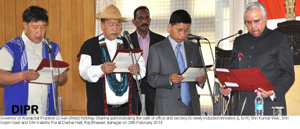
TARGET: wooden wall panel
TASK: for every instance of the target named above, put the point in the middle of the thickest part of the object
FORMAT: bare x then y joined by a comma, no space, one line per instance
10,19
77,32
89,25
2,42
20,7
71,22
66,52
54,21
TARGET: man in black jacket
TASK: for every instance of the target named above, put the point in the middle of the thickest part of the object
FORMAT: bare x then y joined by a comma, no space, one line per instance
143,38
108,93
268,50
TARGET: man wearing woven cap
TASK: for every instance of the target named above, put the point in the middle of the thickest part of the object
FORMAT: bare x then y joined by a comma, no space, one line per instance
108,93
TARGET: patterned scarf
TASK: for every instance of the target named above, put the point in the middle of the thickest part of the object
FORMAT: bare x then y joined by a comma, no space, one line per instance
118,87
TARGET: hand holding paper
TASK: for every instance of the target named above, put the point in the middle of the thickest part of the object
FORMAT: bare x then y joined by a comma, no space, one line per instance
45,71
31,74
131,69
108,67
175,78
192,73
201,78
62,77
123,60
224,91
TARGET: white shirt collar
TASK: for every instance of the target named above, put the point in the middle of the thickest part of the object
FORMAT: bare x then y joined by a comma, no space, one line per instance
174,43
111,47
28,42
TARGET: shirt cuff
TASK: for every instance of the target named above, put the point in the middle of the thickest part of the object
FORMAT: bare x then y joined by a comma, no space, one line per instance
200,85
272,97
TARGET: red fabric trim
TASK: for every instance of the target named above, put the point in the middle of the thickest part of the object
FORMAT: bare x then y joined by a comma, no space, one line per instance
106,113
276,8
129,97
130,94
103,76
78,58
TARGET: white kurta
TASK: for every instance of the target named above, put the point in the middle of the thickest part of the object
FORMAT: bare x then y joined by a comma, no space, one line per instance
37,93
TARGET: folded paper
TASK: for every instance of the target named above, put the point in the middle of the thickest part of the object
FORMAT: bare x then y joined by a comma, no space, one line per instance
243,79
44,70
123,59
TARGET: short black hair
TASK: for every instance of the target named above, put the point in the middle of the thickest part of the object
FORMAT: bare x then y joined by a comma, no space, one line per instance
102,20
139,8
180,16
35,13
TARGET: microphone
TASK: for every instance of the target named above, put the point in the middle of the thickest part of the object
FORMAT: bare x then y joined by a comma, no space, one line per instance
239,32
127,37
48,43
191,36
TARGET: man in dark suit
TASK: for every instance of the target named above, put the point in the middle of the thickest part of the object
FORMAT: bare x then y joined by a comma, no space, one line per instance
268,50
167,60
143,38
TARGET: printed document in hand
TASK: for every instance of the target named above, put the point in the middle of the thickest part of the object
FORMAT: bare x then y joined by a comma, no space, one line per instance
45,73
123,59
249,79
191,73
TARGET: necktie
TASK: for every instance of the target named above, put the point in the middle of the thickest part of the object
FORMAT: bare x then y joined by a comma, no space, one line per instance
185,92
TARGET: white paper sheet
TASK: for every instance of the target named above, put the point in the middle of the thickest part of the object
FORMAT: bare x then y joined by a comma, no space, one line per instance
45,72
123,60
45,75
191,73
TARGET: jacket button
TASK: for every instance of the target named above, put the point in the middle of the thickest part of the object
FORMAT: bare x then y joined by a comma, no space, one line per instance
179,99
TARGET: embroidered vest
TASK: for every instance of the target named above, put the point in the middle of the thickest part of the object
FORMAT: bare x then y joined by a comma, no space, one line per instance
17,94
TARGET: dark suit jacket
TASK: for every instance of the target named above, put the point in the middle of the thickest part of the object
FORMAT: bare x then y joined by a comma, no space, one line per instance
145,88
272,54
161,63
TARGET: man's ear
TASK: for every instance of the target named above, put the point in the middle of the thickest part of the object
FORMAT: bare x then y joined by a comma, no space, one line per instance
266,20
133,22
102,25
169,27
25,25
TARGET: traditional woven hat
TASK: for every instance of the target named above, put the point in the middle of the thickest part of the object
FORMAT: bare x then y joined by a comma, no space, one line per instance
110,12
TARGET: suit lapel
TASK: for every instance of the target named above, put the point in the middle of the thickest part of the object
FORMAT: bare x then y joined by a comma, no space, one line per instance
168,50
152,39
134,38
188,53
